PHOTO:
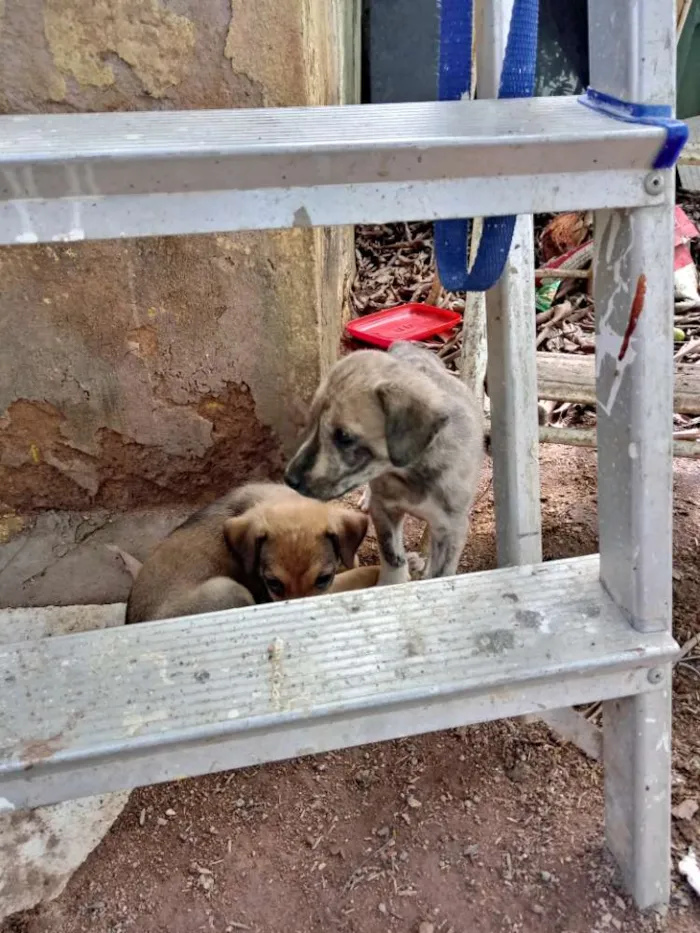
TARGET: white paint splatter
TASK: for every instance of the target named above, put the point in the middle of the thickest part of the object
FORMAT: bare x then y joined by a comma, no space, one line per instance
275,654
135,722
71,237
160,662
690,868
632,451
614,228
19,199
90,182
76,231
608,342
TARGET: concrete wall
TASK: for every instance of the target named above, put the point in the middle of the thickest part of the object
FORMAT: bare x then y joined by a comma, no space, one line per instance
146,372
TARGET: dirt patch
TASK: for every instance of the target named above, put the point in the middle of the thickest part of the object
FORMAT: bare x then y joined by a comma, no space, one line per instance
486,829
124,474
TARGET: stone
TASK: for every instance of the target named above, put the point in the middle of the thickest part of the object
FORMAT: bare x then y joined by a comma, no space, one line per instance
41,849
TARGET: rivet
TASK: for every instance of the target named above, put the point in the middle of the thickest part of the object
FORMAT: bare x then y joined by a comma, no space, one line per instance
655,675
654,183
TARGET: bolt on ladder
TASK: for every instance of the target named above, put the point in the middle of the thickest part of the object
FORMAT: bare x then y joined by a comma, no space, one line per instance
120,708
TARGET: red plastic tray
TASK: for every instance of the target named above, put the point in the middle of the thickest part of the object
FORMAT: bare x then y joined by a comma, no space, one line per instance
404,322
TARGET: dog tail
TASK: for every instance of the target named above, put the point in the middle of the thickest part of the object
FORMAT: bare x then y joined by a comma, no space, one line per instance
132,565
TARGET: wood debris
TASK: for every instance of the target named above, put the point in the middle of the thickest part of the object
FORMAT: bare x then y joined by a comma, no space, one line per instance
395,265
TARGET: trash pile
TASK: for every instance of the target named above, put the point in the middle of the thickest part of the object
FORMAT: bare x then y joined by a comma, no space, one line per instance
395,265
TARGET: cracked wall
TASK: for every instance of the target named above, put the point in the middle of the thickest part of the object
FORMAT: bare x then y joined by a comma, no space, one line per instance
142,372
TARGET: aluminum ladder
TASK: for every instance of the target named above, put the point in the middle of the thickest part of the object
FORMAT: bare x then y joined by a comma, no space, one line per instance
120,708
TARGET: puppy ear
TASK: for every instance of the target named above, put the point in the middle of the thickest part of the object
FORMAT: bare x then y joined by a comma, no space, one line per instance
411,422
245,538
347,534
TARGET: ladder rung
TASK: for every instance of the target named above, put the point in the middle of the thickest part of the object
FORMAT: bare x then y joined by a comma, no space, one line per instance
88,713
94,176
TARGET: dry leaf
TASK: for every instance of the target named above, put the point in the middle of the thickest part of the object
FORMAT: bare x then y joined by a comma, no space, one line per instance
685,810
563,233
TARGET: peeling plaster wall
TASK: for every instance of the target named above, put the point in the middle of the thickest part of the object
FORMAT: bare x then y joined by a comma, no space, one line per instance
141,372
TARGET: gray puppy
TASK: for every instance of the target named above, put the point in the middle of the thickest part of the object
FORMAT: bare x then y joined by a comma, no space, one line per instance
400,422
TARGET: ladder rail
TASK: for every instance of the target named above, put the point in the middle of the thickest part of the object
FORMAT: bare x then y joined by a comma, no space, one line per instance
633,291
511,366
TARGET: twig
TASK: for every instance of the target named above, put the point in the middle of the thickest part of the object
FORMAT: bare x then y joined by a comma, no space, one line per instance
688,666
450,345
687,349
435,289
544,317
370,858
688,646
562,273
564,311
587,437
452,355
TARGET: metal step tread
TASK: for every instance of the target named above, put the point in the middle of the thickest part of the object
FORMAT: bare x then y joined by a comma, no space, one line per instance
166,134
133,705
82,176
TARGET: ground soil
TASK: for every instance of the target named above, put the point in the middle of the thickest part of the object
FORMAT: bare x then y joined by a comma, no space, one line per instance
490,828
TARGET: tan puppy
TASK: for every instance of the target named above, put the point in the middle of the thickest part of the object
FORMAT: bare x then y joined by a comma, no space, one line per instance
259,543
400,422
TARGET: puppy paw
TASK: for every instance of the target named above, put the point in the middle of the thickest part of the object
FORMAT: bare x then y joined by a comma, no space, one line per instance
365,499
416,564
390,576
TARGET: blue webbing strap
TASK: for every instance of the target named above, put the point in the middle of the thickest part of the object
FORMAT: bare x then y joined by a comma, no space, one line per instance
647,114
454,79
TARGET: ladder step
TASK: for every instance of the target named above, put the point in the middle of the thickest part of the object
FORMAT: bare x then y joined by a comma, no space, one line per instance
569,377
119,708
108,175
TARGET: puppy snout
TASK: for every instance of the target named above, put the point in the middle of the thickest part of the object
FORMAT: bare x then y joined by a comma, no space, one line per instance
293,478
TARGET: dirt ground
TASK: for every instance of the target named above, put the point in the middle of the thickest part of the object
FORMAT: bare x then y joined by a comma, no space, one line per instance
490,828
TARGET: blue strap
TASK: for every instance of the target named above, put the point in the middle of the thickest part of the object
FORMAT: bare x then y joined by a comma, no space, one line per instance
454,79
648,115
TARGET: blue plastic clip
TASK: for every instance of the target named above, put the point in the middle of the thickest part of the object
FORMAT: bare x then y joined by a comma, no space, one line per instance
647,114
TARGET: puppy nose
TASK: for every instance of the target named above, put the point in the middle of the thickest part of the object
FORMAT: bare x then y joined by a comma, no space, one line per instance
292,479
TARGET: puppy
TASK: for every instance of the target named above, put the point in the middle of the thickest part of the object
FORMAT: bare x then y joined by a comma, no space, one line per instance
400,422
259,543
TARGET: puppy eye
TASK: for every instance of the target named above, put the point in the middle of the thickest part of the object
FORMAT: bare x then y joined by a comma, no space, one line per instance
275,586
341,438
323,581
